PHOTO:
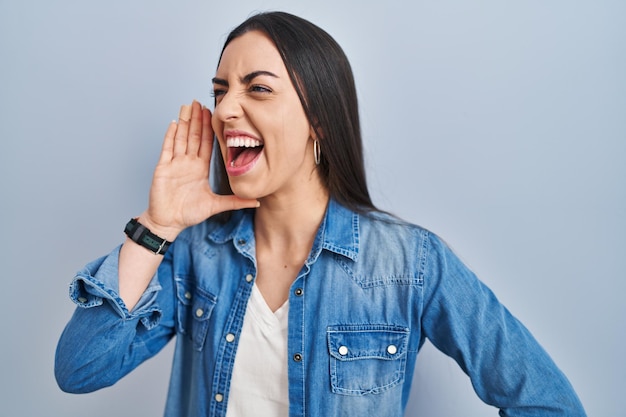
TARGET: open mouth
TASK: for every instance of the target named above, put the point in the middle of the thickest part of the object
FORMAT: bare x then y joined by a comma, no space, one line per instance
243,152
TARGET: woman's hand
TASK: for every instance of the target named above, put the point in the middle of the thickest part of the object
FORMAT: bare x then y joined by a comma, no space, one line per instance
180,195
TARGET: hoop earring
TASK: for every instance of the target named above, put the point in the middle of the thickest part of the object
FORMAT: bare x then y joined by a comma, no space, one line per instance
317,152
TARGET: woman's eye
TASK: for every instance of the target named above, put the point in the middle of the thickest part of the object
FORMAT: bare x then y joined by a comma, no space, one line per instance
218,95
259,89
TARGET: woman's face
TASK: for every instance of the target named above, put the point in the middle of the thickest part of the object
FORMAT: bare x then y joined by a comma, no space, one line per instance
263,132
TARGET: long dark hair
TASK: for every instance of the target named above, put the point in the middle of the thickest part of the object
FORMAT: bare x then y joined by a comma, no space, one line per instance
322,77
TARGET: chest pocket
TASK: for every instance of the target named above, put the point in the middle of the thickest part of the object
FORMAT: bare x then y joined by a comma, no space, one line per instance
366,359
194,308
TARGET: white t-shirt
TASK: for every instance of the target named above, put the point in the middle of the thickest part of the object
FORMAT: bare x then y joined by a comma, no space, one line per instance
259,384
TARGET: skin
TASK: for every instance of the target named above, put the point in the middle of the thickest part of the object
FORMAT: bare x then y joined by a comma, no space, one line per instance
283,184
285,178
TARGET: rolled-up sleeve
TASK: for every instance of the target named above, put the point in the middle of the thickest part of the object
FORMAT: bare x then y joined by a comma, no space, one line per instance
103,341
98,281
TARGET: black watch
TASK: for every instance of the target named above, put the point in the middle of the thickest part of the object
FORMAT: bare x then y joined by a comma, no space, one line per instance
140,234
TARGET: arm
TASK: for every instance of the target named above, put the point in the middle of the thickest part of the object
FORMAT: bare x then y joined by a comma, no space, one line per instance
104,341
125,308
180,196
507,366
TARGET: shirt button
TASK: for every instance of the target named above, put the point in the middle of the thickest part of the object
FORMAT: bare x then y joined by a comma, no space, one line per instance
188,295
82,299
241,242
343,350
230,337
219,398
297,357
392,349
299,292
249,278
199,312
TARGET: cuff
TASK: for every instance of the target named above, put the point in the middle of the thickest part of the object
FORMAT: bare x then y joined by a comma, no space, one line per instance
99,281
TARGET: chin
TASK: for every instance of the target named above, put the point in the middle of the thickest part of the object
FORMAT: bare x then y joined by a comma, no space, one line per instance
246,191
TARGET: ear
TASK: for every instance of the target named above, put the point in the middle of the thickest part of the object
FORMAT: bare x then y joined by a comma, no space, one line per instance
315,131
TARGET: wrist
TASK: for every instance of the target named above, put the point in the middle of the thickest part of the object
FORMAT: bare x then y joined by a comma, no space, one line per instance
164,232
143,236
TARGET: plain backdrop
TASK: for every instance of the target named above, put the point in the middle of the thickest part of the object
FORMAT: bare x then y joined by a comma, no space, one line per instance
501,126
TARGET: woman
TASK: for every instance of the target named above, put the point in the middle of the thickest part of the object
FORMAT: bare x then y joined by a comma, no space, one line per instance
297,296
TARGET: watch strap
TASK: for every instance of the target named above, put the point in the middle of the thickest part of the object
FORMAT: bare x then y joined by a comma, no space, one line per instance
141,235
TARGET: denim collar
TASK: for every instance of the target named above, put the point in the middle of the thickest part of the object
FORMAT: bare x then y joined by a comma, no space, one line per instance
338,232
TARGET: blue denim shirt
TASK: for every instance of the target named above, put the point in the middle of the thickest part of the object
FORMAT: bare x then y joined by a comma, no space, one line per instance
371,291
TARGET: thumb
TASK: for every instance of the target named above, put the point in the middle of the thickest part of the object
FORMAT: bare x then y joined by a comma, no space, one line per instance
231,202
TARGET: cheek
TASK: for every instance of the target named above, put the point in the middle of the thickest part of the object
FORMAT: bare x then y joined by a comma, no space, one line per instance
215,123
222,150
294,122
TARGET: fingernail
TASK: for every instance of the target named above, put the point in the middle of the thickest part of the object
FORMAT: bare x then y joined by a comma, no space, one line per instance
185,113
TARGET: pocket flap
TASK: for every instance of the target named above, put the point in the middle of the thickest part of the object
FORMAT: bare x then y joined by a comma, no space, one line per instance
200,302
352,342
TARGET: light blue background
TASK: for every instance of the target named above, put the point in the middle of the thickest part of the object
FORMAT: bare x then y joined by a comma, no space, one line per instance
499,125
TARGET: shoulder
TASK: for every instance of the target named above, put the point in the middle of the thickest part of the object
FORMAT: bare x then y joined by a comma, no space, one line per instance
392,246
387,227
386,233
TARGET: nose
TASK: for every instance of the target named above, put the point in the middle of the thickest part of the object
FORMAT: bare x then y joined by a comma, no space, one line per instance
228,107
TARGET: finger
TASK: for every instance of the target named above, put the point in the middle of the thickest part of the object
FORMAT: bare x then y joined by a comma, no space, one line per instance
195,129
206,143
180,139
185,113
167,150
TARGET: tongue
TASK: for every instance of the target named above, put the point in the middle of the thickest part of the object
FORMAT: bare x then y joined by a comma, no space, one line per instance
246,156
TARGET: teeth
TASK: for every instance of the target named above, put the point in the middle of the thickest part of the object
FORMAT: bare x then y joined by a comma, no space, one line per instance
242,142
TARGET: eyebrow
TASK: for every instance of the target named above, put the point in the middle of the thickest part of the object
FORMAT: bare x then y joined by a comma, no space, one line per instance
246,78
